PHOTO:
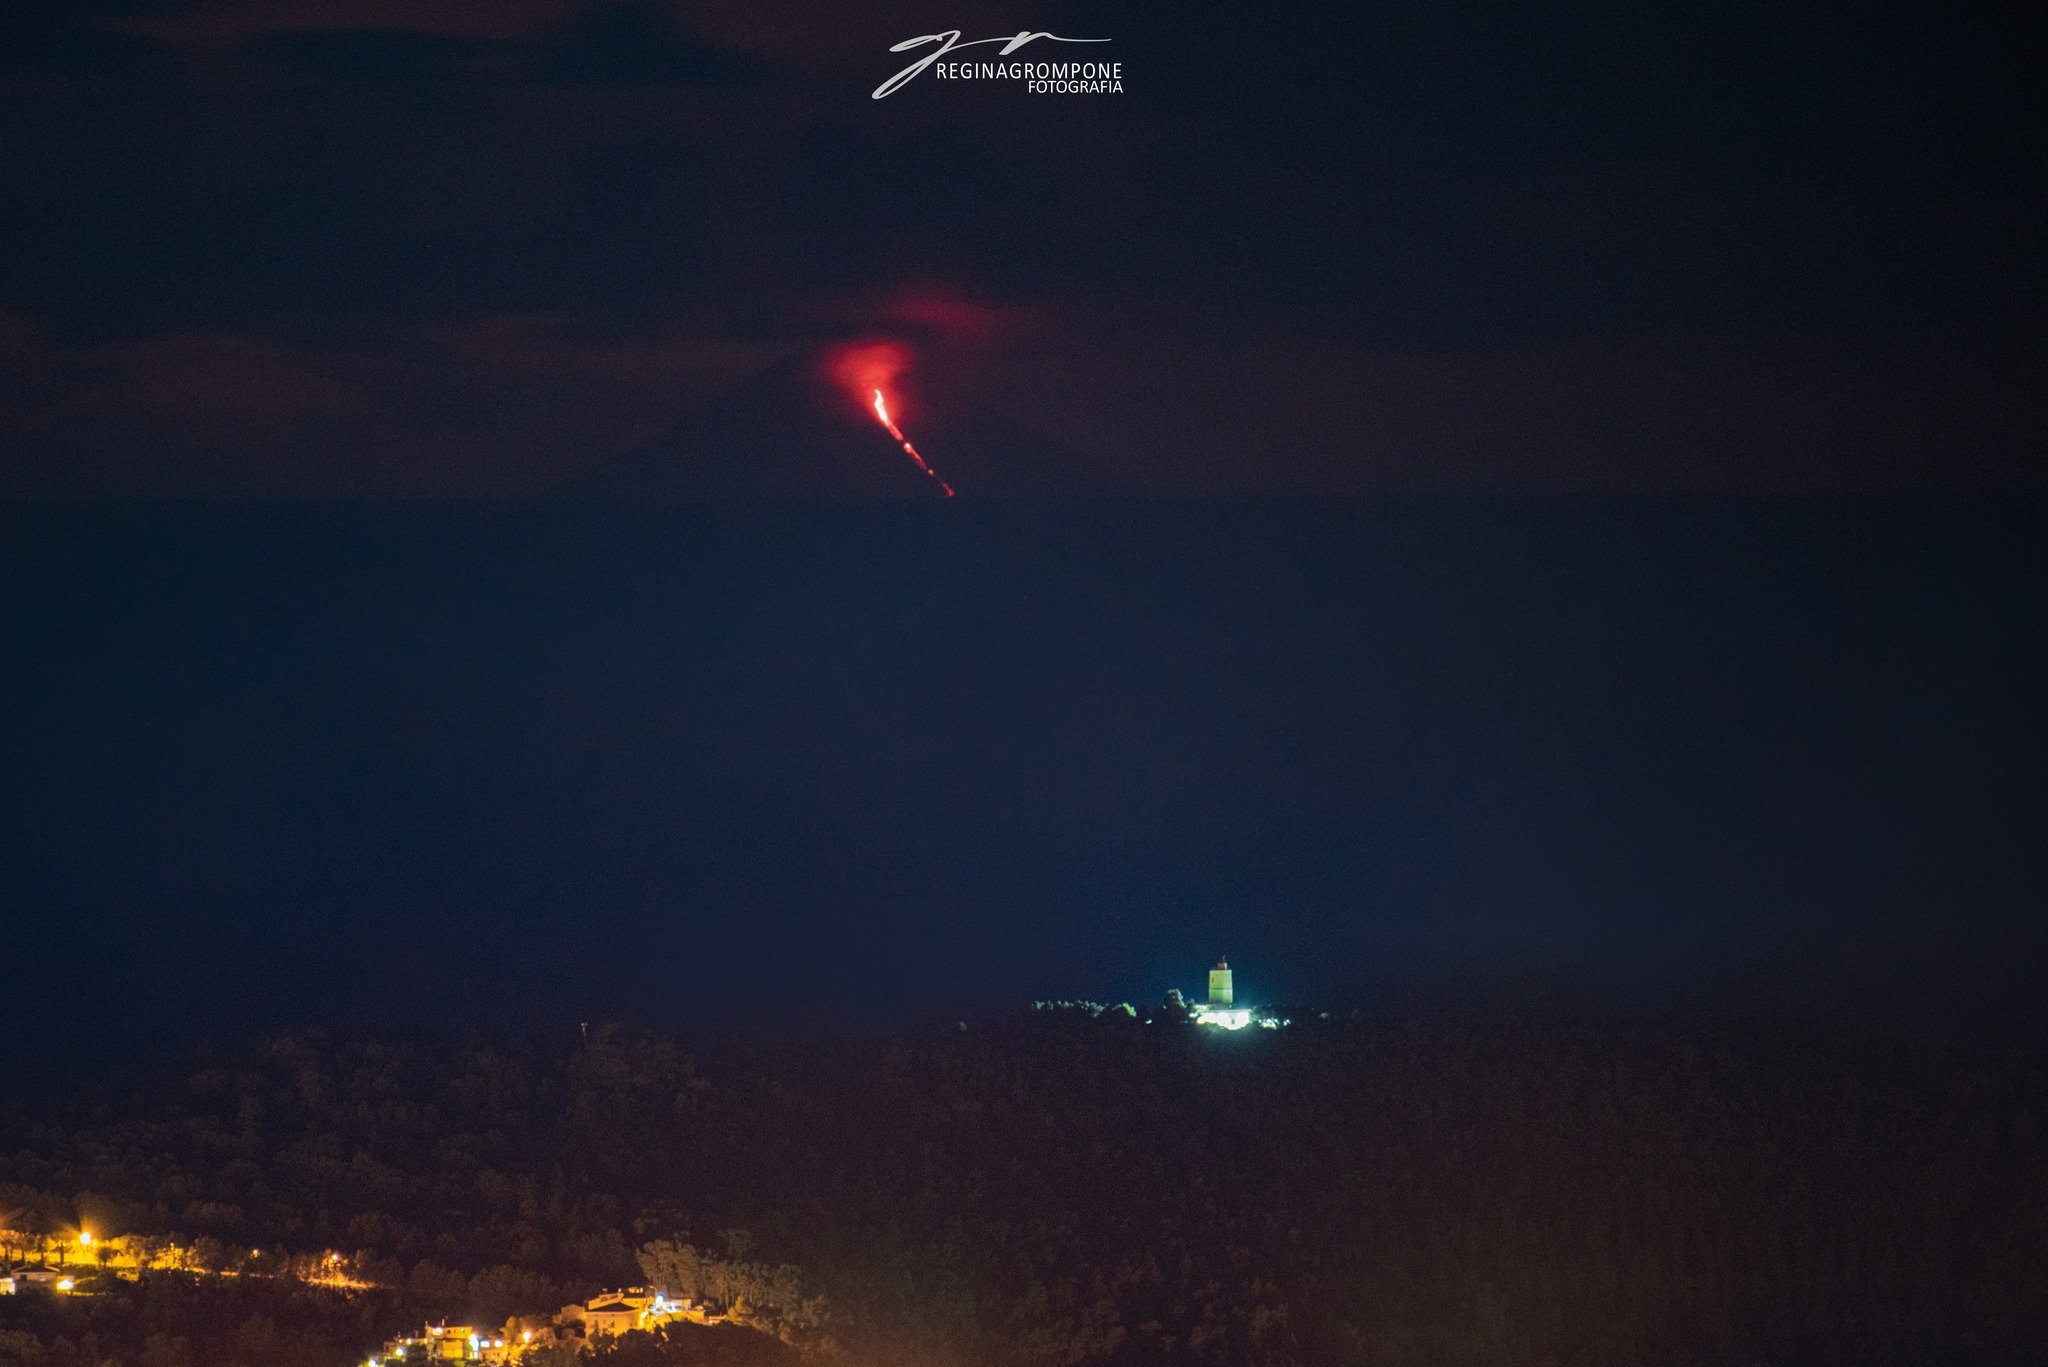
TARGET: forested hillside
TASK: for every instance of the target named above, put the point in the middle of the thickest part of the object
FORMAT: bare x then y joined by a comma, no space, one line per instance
1068,1188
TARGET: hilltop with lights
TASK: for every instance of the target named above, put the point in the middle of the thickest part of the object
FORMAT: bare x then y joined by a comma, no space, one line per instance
1218,1010
1095,1187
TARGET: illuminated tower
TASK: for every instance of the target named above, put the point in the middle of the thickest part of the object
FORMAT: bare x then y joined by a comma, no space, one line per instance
1221,1008
1219,985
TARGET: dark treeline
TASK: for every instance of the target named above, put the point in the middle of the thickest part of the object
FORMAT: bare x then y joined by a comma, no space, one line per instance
177,1320
1070,1188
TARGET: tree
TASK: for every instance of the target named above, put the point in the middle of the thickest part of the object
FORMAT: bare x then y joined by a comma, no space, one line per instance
165,1350
20,1349
258,1342
14,1241
771,1299
148,1250
677,1269
550,1355
207,1254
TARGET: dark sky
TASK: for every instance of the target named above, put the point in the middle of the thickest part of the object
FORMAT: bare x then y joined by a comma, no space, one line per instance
344,247
1521,505
521,765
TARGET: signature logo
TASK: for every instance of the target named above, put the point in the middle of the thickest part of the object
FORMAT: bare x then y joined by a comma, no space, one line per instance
949,41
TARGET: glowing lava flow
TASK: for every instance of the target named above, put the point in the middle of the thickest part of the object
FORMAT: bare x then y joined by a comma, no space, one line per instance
882,412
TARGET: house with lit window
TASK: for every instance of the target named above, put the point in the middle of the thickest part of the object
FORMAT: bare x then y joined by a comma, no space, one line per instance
615,1312
442,1343
636,1307
36,1279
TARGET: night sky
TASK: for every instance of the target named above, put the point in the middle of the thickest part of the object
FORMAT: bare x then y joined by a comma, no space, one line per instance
1520,507
518,767
349,247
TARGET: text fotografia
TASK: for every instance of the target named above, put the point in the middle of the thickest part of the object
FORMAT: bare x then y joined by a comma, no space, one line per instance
1056,78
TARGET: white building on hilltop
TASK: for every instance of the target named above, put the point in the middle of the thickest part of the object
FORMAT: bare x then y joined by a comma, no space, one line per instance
1221,1010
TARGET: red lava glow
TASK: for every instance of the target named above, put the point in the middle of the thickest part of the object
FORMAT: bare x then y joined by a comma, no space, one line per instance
869,368
882,412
